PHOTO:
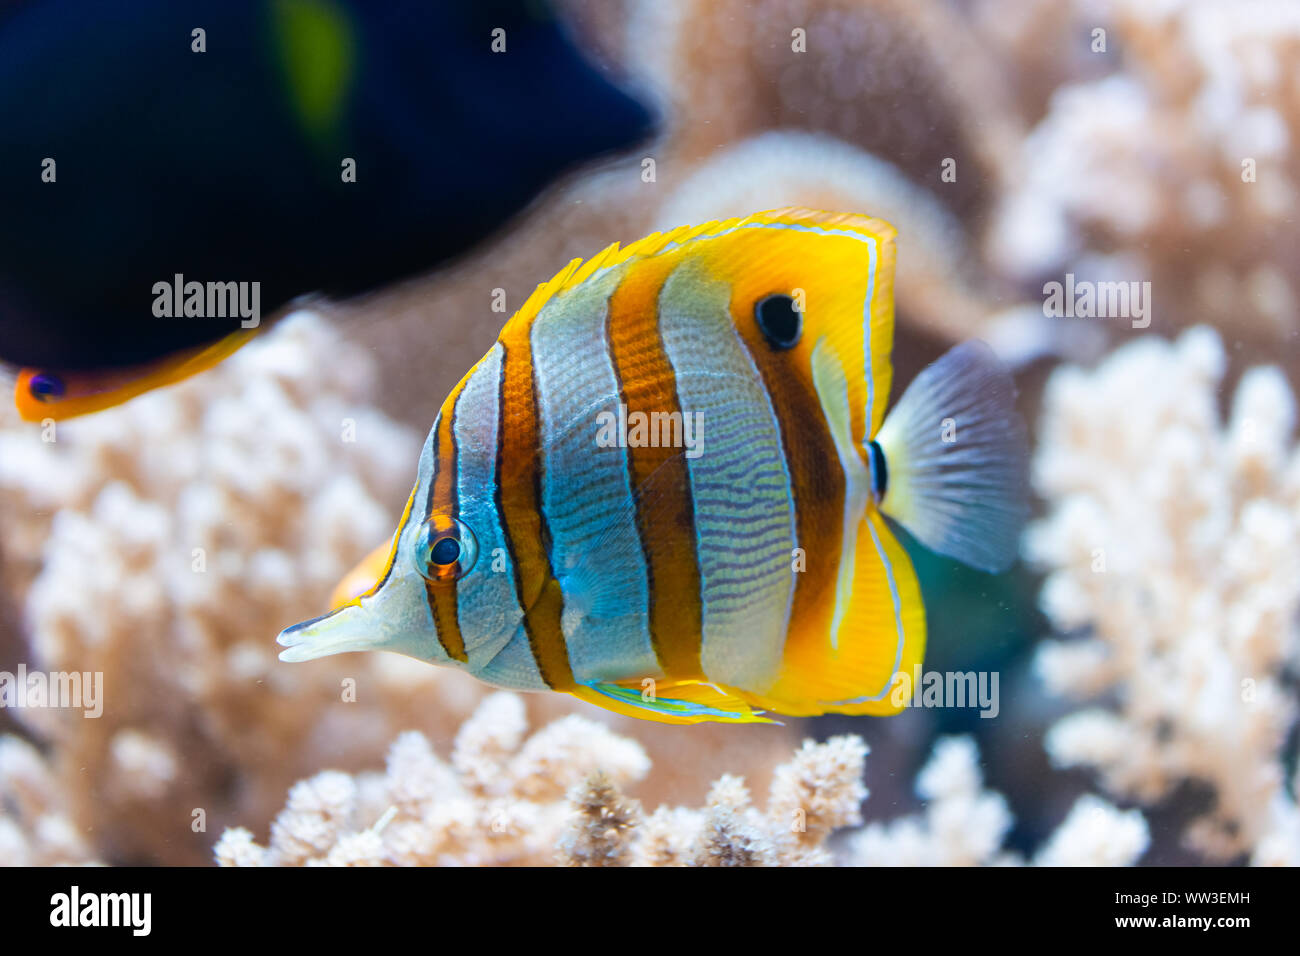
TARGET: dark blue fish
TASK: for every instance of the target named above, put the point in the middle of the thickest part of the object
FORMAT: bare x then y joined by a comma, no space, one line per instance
228,165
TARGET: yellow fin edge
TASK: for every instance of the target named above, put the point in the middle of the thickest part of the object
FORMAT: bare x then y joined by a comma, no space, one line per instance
577,272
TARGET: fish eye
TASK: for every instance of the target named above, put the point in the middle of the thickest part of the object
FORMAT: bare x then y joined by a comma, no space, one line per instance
445,549
45,387
779,320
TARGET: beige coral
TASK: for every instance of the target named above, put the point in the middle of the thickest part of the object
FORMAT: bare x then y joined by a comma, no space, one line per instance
964,824
498,800
600,830
556,796
1095,833
1177,165
1173,543
35,826
423,811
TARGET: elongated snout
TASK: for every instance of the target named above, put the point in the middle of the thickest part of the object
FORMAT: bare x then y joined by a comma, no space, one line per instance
347,628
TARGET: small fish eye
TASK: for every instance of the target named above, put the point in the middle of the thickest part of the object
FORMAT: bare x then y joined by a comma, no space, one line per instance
445,548
45,387
779,320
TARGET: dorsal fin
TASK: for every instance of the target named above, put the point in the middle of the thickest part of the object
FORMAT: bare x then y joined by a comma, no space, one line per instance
577,271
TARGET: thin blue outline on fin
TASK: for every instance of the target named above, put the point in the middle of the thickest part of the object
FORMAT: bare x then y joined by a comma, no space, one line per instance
671,705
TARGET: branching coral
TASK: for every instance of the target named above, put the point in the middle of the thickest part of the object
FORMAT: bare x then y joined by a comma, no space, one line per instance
965,825
1096,834
1173,543
35,828
555,797
499,802
599,833
1183,152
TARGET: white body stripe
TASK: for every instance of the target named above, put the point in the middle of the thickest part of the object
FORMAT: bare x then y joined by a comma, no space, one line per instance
487,606
586,492
833,395
744,507
866,339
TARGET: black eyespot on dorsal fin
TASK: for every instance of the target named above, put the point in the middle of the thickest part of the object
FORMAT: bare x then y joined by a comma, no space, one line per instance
779,320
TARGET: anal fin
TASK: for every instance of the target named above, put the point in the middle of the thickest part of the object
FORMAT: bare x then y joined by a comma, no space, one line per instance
881,633
684,702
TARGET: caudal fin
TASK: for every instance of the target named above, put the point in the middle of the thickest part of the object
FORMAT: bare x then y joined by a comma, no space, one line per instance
956,459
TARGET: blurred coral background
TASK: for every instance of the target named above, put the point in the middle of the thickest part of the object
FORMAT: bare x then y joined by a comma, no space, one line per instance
1148,701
